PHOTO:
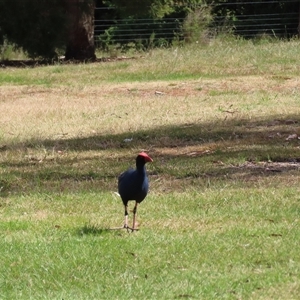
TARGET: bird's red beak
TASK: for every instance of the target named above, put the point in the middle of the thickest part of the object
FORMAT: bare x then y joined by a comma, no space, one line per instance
146,157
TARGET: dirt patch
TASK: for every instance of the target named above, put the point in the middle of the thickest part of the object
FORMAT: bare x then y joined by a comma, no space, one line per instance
230,85
269,167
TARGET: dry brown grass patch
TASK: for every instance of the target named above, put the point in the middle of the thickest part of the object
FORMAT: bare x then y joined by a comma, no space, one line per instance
35,112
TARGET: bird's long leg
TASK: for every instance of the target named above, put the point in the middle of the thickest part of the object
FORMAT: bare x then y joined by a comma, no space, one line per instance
126,217
126,220
134,215
125,226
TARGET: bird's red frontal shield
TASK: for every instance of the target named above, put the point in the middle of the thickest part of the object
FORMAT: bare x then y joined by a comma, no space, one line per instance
146,156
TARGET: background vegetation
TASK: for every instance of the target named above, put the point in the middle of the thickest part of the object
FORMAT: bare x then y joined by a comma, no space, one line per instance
37,27
221,122
164,23
48,29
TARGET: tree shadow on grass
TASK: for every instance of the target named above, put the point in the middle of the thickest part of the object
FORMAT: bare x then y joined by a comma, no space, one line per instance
181,152
268,131
33,63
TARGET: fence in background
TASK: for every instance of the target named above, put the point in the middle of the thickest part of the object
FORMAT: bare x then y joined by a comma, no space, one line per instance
262,18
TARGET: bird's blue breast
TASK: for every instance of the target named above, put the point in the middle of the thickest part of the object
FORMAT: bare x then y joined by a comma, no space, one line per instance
133,185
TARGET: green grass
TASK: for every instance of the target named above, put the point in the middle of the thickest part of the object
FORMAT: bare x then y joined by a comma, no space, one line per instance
218,59
221,220
221,244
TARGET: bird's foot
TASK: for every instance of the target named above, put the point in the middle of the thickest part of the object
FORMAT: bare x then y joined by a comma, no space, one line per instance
130,228
124,227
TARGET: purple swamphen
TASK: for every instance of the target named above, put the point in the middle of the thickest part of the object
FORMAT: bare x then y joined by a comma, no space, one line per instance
133,185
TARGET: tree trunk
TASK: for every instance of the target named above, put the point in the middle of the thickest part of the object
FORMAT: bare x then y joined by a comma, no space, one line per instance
299,21
80,32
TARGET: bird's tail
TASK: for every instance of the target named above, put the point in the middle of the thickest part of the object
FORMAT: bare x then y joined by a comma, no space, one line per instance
116,193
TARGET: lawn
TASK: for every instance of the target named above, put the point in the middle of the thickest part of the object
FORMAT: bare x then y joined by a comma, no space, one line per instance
221,221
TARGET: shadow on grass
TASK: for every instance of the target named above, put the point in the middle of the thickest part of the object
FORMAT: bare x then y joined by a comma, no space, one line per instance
90,229
43,62
228,147
269,131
